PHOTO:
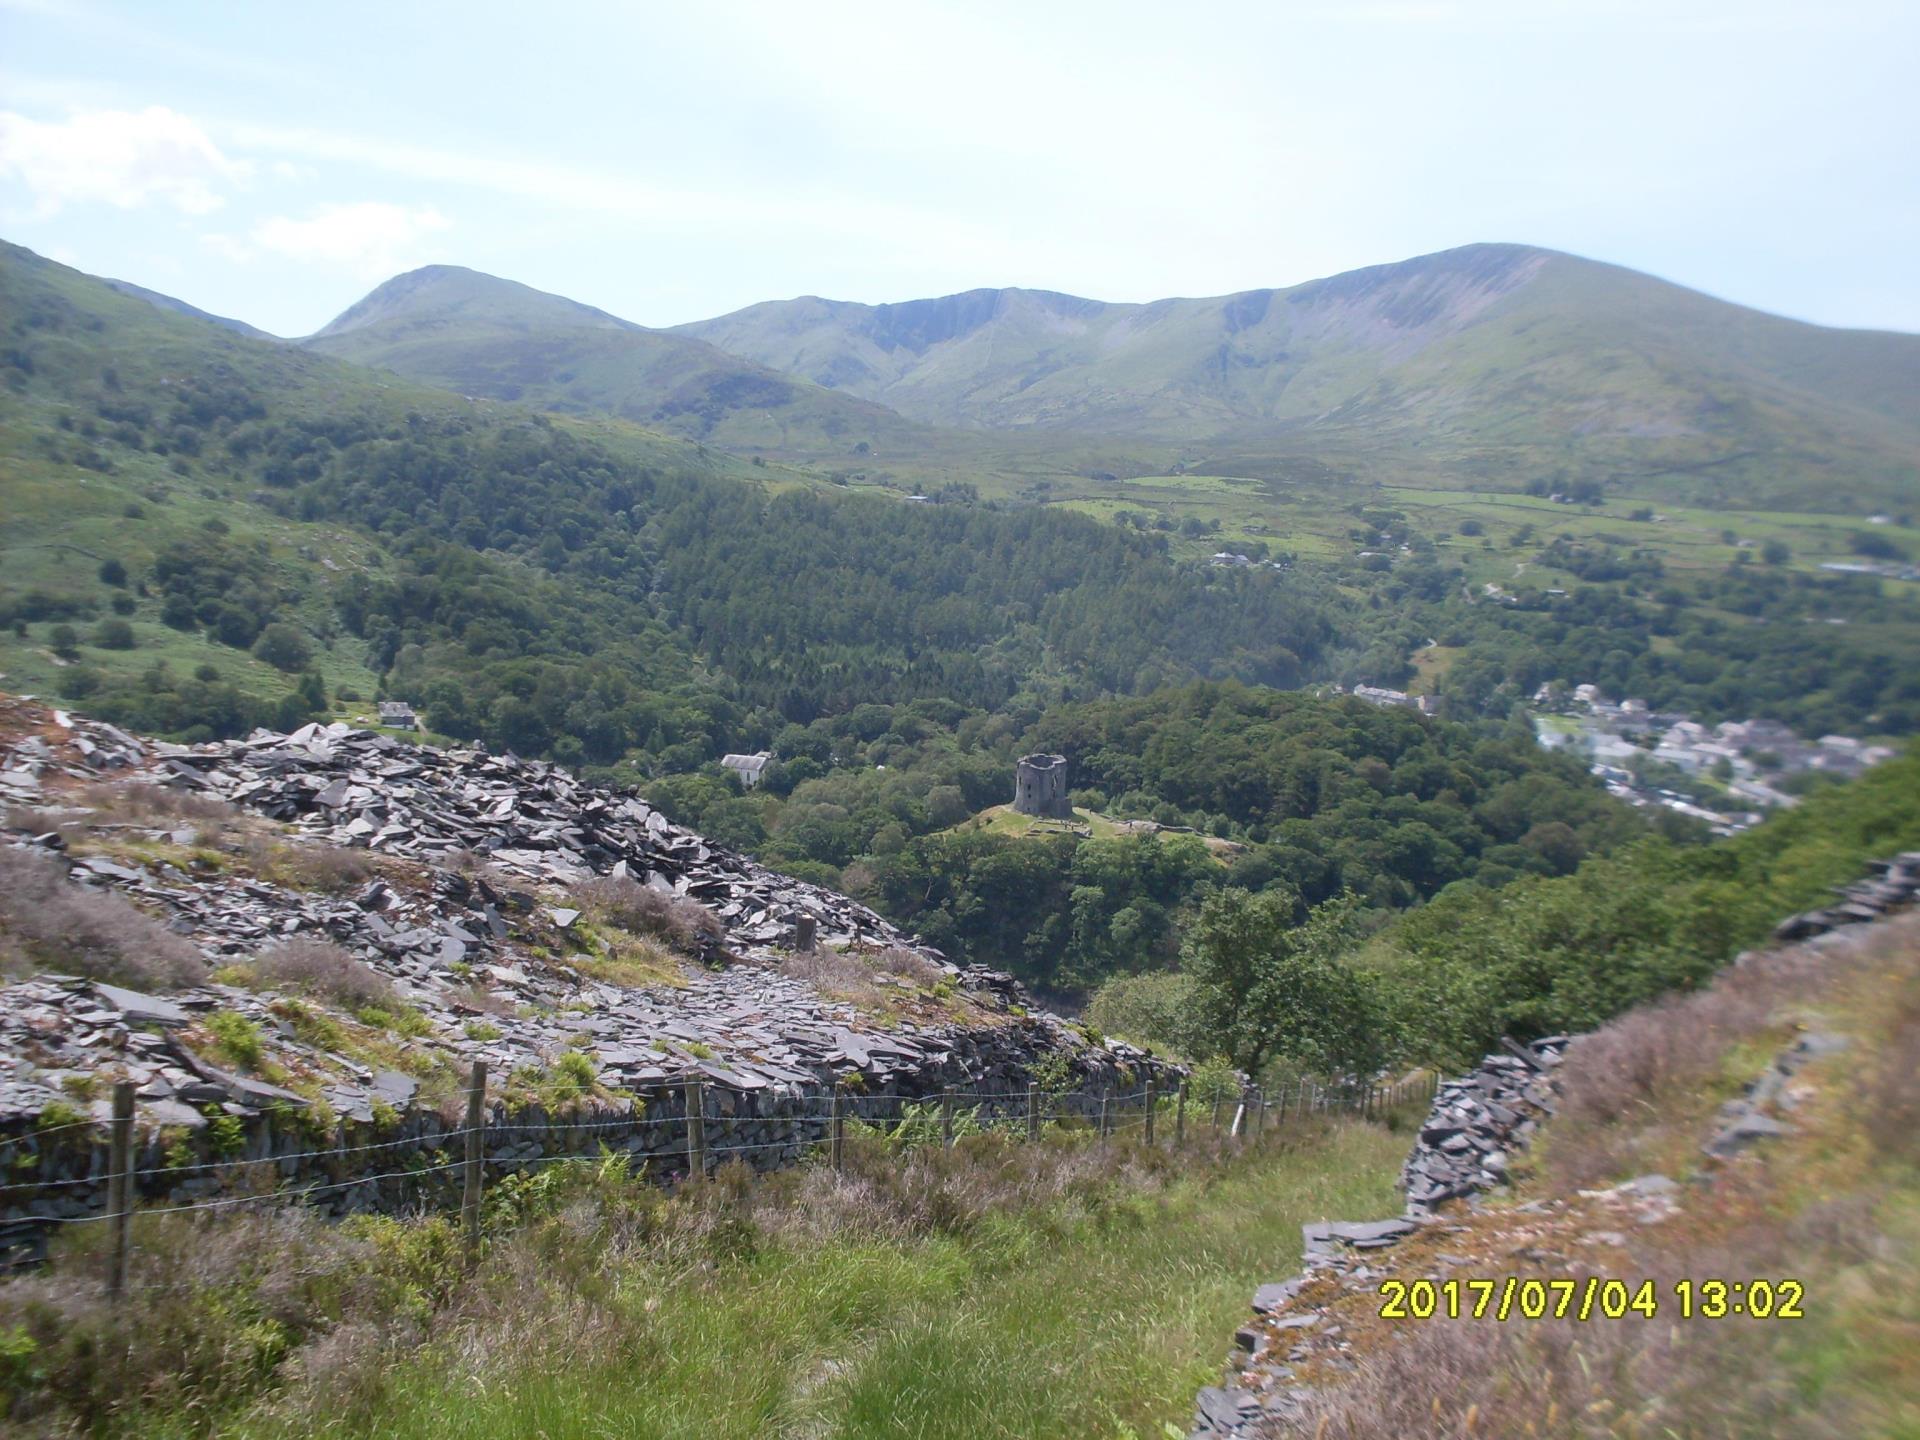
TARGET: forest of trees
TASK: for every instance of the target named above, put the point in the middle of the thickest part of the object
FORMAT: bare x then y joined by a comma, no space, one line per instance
1276,984
1316,796
1821,653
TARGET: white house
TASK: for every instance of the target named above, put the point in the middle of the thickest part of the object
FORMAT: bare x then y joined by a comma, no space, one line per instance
748,767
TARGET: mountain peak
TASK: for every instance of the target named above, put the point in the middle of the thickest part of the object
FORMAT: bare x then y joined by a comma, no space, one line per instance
436,295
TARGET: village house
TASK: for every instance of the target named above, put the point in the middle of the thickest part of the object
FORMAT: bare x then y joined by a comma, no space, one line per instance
1738,759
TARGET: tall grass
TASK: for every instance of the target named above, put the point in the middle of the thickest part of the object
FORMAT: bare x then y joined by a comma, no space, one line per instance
1097,1316
1001,1289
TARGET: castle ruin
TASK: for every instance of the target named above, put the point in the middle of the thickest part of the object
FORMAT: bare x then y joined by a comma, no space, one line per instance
1040,787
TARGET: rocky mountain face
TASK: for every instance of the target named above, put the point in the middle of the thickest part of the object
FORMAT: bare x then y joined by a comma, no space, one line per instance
374,915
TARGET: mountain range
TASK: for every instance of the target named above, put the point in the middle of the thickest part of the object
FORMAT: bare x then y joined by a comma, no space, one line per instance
1487,367
478,335
1499,362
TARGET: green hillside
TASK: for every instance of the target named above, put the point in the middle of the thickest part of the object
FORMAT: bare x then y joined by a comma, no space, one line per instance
1496,365
181,307
575,587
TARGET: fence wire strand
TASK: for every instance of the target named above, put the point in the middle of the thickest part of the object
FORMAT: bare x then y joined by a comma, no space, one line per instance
1104,1117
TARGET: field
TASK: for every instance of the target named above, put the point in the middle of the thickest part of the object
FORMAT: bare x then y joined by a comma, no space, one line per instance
1311,513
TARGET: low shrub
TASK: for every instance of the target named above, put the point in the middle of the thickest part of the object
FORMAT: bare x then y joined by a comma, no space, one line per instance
236,1038
50,923
323,969
685,925
333,869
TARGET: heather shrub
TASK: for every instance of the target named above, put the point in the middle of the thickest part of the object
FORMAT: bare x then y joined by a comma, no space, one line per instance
908,965
143,800
831,971
1667,1059
50,923
329,868
685,925
321,968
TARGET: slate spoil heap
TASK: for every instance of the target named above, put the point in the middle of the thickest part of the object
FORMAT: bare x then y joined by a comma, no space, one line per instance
469,923
360,788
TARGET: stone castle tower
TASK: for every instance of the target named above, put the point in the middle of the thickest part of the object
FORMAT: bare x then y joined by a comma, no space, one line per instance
1040,787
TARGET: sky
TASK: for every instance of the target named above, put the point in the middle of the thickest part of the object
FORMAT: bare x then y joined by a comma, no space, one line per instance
274,162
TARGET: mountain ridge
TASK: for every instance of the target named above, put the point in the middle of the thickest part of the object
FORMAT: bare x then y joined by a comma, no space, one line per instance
1495,366
1589,365
489,337
178,306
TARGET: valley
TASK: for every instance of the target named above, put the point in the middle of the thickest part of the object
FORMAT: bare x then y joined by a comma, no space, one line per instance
889,552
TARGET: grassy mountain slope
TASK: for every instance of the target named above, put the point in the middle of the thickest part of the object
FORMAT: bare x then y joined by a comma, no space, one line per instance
134,430
482,336
181,307
1494,363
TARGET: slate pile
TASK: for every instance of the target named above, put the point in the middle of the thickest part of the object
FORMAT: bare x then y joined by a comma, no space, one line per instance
527,817
464,930
1752,1116
1889,885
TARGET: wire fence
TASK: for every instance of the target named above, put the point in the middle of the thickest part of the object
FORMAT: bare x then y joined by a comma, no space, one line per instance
815,1125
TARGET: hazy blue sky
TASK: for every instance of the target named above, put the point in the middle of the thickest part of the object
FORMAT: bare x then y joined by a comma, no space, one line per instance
274,161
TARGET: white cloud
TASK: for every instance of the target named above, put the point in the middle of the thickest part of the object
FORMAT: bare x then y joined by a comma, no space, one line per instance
228,247
610,194
123,158
370,237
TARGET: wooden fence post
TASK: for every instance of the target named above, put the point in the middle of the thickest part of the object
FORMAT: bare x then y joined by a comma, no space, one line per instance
1103,1113
946,1117
1180,1114
837,1127
476,1158
1033,1110
1152,1099
696,1129
1218,1100
120,1185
